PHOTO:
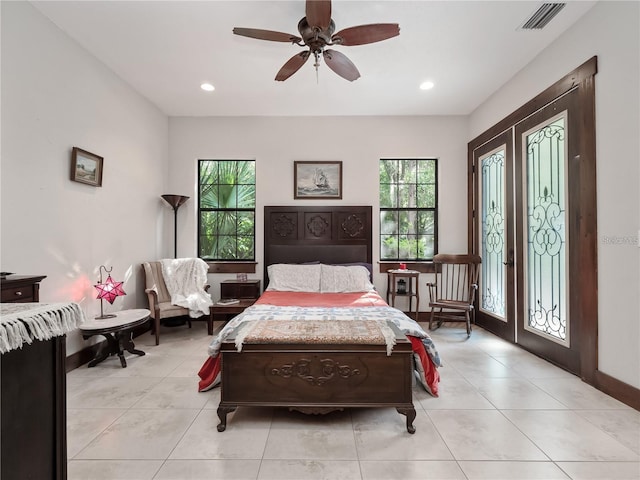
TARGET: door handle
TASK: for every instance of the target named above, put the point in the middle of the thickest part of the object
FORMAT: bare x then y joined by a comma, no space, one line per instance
510,262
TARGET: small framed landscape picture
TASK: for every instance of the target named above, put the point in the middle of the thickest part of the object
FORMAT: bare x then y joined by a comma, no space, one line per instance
86,167
317,180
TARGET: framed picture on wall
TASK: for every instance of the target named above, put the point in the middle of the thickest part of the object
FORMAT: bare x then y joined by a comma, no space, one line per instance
317,180
86,167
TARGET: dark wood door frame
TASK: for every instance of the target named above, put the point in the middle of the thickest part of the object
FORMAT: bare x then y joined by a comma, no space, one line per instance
585,222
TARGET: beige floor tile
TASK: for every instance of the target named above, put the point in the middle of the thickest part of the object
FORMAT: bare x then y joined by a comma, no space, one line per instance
173,393
213,398
309,470
153,364
83,425
502,413
491,470
516,393
481,366
483,435
112,469
456,394
190,367
576,394
383,436
530,366
140,434
108,392
623,425
208,470
565,436
601,470
310,444
411,470
245,436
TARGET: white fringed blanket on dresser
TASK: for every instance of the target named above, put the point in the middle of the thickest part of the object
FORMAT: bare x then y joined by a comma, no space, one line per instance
22,323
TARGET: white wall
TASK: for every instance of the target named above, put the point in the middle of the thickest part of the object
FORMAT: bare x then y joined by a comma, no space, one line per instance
56,96
611,30
359,142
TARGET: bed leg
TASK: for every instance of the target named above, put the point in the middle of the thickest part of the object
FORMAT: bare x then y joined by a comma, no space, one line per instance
411,415
222,415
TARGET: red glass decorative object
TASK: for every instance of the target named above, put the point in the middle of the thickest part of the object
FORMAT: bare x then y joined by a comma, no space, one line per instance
109,290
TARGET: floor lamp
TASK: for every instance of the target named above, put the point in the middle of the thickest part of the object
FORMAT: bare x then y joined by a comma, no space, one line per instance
175,201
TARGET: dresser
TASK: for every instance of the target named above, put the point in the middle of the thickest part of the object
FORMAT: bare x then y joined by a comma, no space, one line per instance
21,288
33,443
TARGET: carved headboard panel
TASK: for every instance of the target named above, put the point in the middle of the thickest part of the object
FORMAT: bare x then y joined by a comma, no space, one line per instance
328,234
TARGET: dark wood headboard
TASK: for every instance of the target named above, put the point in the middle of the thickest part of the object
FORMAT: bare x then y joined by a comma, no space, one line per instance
327,234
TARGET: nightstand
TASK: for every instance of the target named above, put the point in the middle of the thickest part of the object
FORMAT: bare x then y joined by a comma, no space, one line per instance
403,283
246,292
237,289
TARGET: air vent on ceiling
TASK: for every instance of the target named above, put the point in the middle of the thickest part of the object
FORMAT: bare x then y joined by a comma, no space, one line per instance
542,16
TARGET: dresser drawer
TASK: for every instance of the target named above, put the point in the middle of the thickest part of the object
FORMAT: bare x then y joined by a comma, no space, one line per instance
18,294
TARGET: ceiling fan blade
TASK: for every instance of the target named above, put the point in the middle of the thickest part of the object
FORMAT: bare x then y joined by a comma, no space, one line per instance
292,65
267,35
364,34
318,13
340,64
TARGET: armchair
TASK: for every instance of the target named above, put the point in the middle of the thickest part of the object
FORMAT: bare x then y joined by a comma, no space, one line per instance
159,298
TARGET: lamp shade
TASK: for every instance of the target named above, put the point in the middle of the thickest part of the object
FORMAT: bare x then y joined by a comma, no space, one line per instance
175,200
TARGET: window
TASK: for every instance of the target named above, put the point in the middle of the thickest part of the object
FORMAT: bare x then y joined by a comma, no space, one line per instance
408,209
226,210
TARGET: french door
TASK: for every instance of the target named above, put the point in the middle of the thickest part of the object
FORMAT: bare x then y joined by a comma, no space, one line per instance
526,191
547,176
493,164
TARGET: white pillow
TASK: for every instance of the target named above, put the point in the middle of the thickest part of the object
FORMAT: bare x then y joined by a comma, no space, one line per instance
294,278
343,279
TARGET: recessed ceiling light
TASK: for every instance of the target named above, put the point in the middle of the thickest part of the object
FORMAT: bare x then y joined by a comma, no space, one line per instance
426,85
207,87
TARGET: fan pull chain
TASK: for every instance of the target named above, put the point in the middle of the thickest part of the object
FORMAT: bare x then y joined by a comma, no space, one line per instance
317,64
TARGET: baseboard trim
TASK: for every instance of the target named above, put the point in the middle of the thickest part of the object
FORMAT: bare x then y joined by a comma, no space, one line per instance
619,390
81,357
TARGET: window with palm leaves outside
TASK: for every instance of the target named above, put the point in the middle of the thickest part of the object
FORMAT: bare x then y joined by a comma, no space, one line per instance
408,209
227,210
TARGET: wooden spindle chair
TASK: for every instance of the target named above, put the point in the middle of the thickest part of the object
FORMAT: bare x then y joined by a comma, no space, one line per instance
452,294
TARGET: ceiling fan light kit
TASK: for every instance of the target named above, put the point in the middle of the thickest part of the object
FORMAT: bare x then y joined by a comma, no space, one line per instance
316,33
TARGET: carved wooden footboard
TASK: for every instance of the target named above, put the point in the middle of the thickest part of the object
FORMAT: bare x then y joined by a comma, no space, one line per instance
317,378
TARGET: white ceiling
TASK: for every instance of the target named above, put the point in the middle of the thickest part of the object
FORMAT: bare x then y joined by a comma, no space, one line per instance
166,49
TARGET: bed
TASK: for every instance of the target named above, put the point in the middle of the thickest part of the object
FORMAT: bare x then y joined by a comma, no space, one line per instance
320,338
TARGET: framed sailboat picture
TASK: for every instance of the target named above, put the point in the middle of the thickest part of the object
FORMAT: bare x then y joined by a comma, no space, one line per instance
317,180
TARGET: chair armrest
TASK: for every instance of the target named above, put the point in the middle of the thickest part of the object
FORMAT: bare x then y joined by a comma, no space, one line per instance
433,291
472,293
152,292
154,306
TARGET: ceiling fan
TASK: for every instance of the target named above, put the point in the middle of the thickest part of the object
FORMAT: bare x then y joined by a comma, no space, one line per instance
316,32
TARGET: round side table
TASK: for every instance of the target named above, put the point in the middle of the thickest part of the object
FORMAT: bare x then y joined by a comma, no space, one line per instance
117,331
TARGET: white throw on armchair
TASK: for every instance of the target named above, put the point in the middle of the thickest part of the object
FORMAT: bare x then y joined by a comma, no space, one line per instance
167,297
